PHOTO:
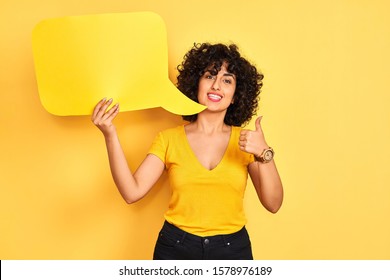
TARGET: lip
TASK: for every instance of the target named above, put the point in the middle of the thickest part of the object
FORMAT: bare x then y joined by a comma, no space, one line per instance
214,96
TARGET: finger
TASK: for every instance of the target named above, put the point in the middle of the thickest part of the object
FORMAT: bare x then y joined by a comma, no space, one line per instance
242,143
109,114
242,148
244,132
97,108
257,123
114,114
103,108
248,136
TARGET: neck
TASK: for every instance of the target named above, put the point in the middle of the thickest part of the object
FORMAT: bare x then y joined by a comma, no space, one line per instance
210,122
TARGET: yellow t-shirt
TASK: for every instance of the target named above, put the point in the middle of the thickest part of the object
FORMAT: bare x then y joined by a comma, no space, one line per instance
203,202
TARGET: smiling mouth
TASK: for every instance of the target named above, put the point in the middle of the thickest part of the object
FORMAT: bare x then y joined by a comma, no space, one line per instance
214,97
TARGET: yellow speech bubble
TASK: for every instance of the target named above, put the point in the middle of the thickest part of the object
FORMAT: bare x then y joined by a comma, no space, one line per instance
81,59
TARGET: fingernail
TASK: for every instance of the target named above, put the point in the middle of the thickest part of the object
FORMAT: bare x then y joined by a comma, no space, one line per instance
104,99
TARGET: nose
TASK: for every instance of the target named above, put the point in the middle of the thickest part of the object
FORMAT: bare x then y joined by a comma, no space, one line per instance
215,85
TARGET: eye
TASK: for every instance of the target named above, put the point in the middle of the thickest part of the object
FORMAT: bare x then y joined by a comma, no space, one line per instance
228,81
208,76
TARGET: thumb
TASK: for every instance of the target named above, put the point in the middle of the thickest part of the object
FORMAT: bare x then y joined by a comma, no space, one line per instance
257,123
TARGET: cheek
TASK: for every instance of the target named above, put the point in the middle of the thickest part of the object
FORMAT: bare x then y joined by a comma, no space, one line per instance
205,83
203,87
233,95
232,91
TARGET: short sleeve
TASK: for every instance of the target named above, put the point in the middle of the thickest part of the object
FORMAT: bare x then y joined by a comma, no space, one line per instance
159,147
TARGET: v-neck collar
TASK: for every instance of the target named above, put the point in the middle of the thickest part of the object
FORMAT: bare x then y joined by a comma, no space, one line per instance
193,155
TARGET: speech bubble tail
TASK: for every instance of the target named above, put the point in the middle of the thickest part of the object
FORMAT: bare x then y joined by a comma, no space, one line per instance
186,108
179,104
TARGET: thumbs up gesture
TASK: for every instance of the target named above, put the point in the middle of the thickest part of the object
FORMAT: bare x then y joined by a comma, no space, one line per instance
253,141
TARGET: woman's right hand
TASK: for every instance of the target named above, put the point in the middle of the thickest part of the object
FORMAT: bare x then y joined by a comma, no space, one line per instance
103,119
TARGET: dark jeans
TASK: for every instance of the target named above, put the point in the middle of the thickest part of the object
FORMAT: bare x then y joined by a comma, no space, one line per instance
176,244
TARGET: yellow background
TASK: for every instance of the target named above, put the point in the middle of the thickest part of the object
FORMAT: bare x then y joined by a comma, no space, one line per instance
325,99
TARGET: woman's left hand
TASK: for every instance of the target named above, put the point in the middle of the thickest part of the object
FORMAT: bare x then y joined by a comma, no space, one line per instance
253,141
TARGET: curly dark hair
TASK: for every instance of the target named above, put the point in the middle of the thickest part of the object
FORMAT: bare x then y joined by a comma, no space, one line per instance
248,80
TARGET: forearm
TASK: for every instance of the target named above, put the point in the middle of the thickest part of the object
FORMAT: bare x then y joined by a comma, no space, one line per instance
268,185
123,178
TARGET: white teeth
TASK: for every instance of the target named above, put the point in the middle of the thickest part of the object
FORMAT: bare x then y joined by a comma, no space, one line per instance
214,96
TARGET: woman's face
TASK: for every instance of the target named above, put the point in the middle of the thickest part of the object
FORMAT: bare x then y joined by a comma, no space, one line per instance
216,90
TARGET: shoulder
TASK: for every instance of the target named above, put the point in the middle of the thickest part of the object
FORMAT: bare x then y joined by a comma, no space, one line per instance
236,128
170,134
164,140
172,131
236,131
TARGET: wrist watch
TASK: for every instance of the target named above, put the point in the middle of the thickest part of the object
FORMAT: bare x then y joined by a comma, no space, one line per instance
266,156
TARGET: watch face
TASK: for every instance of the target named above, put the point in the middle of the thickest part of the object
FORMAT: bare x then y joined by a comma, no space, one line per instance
268,155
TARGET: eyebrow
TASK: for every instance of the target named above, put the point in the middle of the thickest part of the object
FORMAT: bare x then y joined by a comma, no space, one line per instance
230,74
225,74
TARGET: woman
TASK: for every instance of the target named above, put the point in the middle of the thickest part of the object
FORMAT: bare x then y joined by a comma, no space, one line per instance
207,159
